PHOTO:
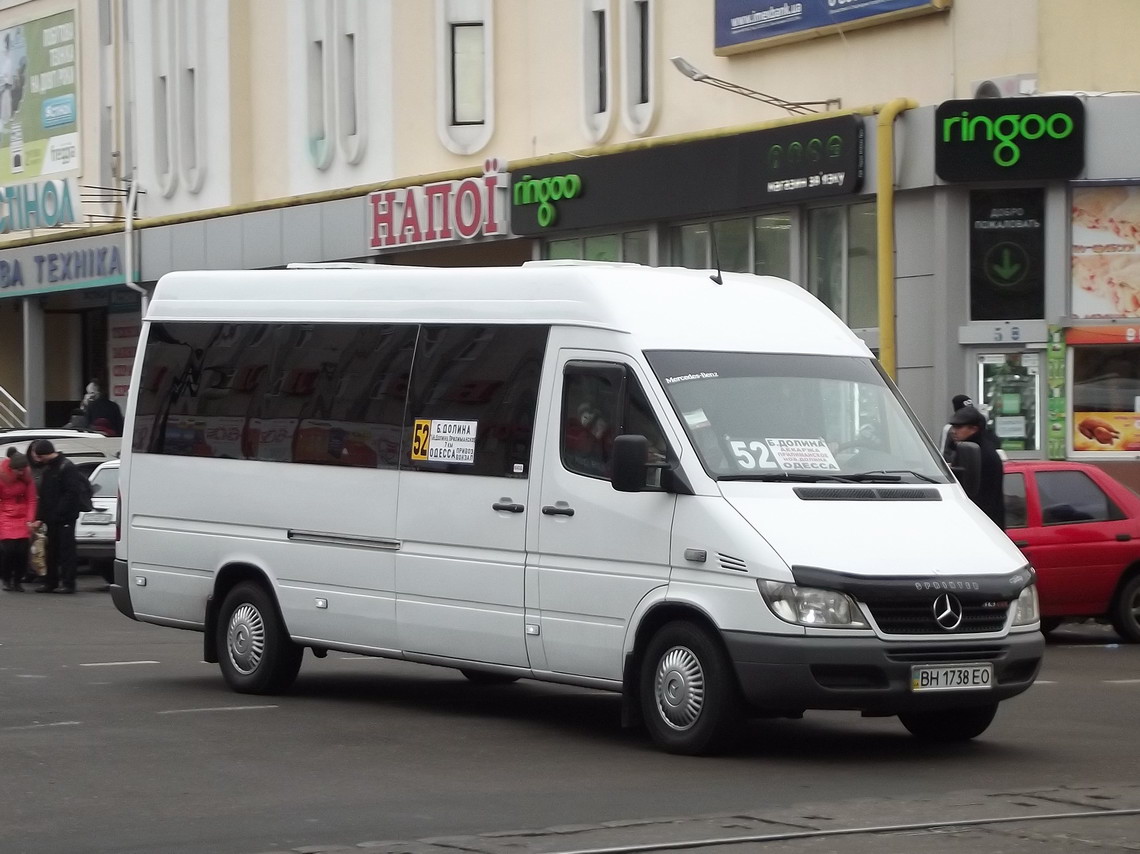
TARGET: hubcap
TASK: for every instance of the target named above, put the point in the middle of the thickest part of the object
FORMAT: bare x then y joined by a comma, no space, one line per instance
679,688
245,638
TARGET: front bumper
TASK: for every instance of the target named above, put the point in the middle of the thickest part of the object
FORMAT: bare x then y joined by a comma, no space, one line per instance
788,675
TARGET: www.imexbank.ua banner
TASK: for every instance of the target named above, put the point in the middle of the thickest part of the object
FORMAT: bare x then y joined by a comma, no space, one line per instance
742,23
38,104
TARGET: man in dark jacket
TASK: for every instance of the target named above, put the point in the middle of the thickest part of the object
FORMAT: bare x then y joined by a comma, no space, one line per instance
60,493
969,425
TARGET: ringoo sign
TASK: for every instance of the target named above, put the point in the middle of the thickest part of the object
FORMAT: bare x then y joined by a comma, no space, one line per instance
1010,139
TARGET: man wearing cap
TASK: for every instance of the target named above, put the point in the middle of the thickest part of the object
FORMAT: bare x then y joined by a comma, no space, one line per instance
60,493
946,445
967,424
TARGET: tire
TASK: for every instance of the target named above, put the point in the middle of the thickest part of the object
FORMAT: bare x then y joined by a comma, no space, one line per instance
1126,610
949,725
689,697
105,568
482,677
1050,624
255,653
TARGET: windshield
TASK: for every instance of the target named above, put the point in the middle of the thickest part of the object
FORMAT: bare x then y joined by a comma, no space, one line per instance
763,416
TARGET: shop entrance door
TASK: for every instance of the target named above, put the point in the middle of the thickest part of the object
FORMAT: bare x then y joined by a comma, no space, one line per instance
1009,384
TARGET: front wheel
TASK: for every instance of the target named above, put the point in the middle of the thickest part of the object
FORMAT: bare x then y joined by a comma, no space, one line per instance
949,725
256,654
689,697
1126,610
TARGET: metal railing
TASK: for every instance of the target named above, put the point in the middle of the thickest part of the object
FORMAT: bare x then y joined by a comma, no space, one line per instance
12,414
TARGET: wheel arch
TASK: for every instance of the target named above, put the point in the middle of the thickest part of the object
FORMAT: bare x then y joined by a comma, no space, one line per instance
657,616
227,578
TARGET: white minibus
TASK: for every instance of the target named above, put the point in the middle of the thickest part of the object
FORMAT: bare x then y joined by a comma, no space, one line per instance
700,491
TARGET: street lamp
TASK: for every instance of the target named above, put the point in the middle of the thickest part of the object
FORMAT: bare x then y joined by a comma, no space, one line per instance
799,108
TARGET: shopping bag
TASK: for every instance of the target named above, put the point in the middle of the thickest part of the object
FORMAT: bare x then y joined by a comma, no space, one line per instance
37,552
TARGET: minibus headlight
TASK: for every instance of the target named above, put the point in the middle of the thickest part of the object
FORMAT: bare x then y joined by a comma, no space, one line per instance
1025,609
811,606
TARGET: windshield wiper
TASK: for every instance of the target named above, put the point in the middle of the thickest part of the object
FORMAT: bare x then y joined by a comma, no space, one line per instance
889,476
792,476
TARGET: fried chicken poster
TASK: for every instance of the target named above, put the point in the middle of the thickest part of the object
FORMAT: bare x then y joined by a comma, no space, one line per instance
1106,252
1106,431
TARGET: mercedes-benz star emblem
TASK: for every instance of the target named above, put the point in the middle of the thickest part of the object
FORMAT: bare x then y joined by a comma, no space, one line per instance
948,611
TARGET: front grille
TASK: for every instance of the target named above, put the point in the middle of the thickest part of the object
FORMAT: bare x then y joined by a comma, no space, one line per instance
917,618
945,654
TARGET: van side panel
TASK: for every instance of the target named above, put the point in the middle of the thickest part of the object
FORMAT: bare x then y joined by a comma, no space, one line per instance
202,514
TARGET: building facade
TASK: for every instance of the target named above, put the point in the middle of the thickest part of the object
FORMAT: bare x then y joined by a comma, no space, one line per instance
258,133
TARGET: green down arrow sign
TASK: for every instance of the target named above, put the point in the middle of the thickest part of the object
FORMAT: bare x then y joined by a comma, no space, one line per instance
1006,264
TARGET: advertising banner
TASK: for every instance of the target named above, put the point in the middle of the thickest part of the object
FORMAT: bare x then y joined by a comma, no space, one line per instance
1055,389
748,24
1009,139
804,160
1106,252
1106,431
39,128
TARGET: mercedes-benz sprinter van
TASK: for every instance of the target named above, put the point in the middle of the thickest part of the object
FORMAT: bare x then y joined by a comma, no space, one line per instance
706,495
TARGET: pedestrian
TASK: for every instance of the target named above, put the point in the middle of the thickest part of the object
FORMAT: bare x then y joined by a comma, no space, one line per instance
100,408
61,491
947,443
17,516
969,425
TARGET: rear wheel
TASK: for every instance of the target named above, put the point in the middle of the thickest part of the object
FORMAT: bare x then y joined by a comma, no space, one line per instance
1126,610
256,655
689,697
482,677
948,725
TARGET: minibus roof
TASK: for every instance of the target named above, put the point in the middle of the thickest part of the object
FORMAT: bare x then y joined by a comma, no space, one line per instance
662,307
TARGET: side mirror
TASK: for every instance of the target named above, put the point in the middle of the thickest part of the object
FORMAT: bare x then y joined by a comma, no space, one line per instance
630,463
968,467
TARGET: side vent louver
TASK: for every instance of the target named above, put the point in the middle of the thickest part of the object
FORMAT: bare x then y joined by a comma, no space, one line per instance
733,563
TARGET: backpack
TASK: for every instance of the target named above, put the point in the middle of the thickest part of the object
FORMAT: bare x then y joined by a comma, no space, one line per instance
86,493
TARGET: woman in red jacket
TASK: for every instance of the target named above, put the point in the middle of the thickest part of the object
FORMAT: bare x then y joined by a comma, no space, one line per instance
17,509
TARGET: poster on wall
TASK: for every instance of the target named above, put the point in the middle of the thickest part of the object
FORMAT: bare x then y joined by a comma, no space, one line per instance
122,341
1106,252
747,24
1055,389
39,129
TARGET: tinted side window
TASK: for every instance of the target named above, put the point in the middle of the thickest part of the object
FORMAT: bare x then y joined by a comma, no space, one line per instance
472,400
1013,487
330,394
601,401
1072,496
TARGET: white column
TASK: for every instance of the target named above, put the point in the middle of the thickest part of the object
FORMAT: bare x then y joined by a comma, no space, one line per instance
34,380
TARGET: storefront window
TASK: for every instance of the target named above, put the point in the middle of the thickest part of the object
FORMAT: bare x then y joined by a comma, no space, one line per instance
733,249
825,257
604,247
1010,386
761,245
692,246
1106,398
842,262
635,247
631,247
772,234
862,267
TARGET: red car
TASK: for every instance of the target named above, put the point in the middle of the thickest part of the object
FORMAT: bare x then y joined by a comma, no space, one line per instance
1080,529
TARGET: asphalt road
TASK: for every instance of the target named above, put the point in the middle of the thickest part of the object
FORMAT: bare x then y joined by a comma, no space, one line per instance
116,737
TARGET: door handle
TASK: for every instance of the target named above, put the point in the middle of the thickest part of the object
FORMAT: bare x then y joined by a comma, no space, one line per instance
508,506
551,510
1123,538
1021,543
